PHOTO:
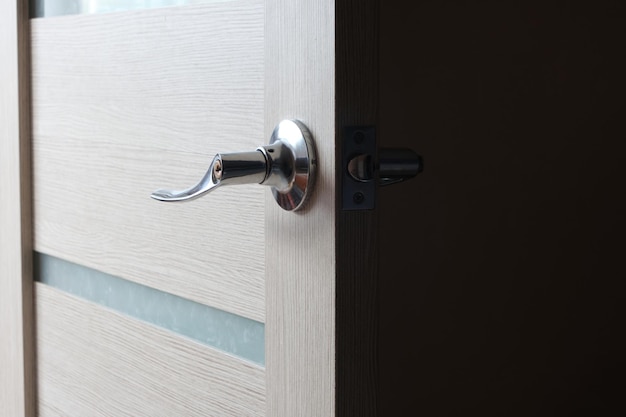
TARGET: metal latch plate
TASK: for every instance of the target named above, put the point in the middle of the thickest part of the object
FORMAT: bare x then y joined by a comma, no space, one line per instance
357,195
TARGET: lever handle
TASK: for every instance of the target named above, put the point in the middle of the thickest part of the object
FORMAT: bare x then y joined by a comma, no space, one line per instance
287,164
226,169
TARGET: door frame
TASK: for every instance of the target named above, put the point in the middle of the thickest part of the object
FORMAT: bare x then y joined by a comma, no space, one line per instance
17,343
321,351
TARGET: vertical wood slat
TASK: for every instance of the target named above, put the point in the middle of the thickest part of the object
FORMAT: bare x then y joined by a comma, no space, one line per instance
321,272
300,247
17,349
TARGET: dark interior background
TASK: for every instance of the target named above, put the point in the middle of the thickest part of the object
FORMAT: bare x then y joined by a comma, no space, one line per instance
502,265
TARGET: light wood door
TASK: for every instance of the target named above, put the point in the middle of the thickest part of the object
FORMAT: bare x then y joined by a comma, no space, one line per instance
123,103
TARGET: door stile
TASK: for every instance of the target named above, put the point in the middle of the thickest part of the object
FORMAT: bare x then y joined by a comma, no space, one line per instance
321,270
17,338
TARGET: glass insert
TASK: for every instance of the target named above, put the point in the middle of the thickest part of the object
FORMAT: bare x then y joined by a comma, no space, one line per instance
225,331
49,8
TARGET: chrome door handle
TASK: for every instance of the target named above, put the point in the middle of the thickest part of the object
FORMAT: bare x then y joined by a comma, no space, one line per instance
288,165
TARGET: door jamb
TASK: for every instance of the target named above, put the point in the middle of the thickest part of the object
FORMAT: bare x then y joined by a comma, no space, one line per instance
17,343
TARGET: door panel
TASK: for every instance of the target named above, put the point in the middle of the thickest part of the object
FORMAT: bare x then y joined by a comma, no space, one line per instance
131,105
125,103
107,364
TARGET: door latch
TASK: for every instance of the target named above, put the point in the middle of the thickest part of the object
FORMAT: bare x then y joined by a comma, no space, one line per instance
365,167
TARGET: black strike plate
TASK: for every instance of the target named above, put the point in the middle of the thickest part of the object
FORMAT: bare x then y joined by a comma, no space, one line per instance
357,195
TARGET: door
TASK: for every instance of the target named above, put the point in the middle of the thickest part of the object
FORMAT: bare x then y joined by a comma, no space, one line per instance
115,105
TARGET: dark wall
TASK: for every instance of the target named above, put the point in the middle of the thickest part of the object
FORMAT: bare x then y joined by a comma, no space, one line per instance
508,297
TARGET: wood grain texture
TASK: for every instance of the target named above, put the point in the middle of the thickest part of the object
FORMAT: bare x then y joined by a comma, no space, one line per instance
300,257
322,306
125,103
357,231
90,359
17,373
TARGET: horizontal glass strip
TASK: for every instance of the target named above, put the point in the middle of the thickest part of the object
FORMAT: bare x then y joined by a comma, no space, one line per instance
49,8
228,332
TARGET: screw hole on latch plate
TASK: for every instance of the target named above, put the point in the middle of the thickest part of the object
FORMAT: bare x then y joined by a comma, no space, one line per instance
358,137
358,197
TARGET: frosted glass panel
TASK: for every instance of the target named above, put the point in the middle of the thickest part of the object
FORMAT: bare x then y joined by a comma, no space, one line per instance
228,332
48,8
